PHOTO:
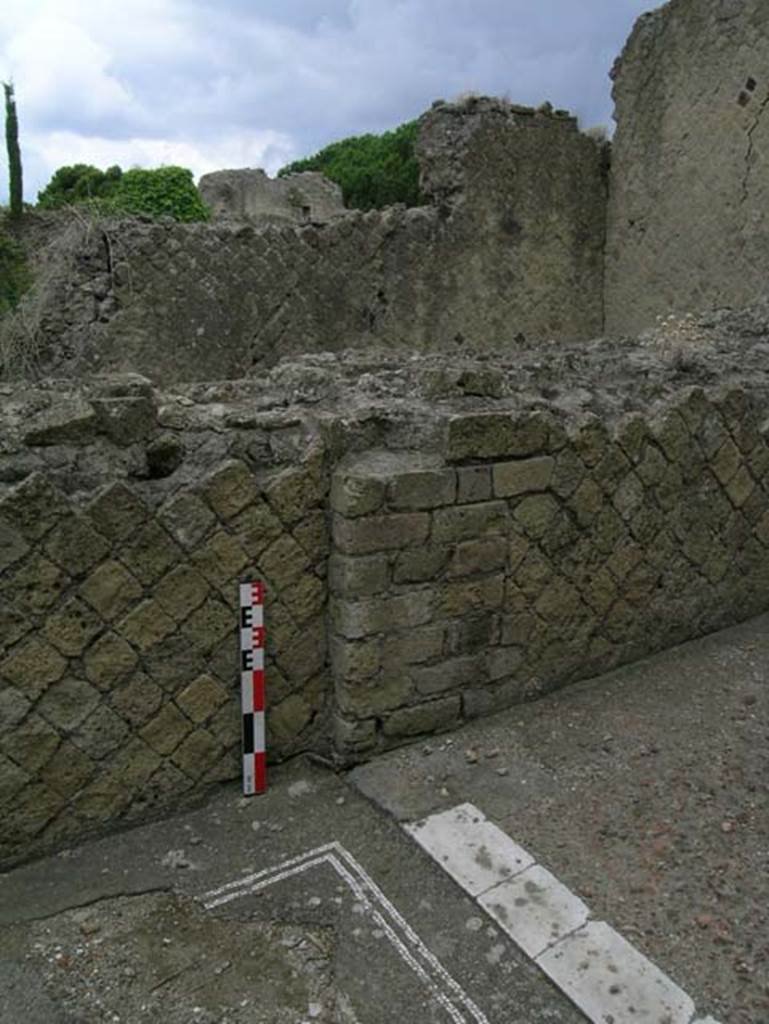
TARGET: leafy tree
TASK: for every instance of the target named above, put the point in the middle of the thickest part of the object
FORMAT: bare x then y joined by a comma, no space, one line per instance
165,191
372,170
16,188
78,183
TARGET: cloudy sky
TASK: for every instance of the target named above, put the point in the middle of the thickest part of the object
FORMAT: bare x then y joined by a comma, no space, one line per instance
255,83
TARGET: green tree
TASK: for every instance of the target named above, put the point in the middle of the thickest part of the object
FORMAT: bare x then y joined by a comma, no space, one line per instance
15,185
164,191
372,170
78,183
15,276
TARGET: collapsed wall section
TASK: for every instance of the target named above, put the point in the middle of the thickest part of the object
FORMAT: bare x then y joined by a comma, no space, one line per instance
508,247
688,221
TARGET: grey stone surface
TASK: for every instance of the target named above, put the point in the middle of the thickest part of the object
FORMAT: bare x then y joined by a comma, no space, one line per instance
250,195
687,222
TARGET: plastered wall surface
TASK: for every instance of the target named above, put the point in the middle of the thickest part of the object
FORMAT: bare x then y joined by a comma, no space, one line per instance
688,220
249,194
508,247
438,540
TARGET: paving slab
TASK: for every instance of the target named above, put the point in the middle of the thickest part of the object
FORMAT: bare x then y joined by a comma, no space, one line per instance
535,909
611,981
645,792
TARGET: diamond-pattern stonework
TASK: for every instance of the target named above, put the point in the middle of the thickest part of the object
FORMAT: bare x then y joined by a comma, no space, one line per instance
119,675
406,590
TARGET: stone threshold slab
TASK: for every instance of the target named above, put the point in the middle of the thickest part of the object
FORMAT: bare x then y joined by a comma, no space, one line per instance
606,977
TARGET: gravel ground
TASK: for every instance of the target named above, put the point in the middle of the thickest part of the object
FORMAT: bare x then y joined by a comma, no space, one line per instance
646,792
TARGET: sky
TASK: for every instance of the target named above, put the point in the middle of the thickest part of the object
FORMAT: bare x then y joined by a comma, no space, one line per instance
212,84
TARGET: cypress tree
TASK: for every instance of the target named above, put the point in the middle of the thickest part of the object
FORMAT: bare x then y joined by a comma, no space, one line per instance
14,153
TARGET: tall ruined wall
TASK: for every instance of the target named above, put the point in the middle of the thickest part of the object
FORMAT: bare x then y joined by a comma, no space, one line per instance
438,540
508,248
688,223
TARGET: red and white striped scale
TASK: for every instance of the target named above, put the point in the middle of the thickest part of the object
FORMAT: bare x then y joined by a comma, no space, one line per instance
252,687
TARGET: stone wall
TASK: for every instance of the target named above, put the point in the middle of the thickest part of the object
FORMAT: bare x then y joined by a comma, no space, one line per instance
535,555
438,541
509,247
249,195
688,223
118,609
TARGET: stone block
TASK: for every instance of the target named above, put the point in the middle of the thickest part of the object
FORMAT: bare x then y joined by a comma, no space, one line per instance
66,421
369,534
102,800
313,534
355,620
65,704
535,514
229,489
33,666
385,692
75,545
166,730
423,643
117,512
34,506
108,660
522,476
12,780
533,574
32,809
628,496
305,599
174,662
450,675
181,591
422,489
256,528
32,743
294,491
520,628
187,518
72,628
13,707
475,557
740,487
354,735
355,661
358,577
13,546
151,553
652,466
353,496
432,716
469,522
630,434
137,699
13,625
209,625
220,559
202,698
559,604
419,565
502,694
494,435
284,562
468,634
473,484
288,720
587,501
306,656
33,586
111,590
197,754
146,625
762,529
590,439
68,770
463,597
614,465
101,733
125,420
